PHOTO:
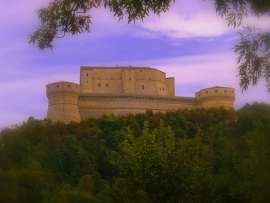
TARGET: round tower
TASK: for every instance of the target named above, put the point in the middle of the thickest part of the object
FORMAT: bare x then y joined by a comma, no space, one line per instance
216,97
63,102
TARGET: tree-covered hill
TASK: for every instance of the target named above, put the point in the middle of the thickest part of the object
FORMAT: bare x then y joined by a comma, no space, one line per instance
199,155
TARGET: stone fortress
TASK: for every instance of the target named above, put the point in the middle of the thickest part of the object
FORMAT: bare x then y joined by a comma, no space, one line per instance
124,90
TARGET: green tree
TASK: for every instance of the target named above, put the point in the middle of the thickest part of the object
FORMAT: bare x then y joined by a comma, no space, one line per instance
157,167
71,16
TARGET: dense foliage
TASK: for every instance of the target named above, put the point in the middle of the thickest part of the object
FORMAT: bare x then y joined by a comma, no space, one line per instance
199,155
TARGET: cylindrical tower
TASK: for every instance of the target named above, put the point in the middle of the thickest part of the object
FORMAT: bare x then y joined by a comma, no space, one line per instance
63,102
216,97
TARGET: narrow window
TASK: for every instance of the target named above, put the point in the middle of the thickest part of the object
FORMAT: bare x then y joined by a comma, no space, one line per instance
129,78
99,84
87,81
68,85
149,78
107,85
206,92
215,91
87,74
143,87
57,85
225,90
140,70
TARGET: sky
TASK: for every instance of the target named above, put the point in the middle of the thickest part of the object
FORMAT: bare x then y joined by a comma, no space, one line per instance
189,42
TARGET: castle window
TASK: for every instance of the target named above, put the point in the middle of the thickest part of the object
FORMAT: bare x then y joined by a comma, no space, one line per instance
93,77
149,78
225,90
87,81
111,78
206,92
87,74
129,78
99,84
68,85
143,87
215,91
107,85
140,70
57,85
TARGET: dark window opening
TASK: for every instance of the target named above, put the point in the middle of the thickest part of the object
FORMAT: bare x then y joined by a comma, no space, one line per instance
206,92
143,87
87,74
225,90
216,91
107,85
57,85
140,70
99,84
68,85
129,78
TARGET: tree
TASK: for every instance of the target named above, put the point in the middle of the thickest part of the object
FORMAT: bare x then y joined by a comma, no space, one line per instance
71,16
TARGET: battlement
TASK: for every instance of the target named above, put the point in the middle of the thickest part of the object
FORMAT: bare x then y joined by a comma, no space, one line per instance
125,89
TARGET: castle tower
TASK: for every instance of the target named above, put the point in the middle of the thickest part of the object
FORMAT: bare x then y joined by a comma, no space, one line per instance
216,97
63,102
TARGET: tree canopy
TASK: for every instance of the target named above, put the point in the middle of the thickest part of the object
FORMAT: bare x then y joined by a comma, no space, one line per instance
199,155
72,16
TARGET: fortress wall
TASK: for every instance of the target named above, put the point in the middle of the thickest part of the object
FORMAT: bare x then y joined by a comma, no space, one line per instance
63,102
170,82
216,97
128,79
150,74
107,86
86,81
97,105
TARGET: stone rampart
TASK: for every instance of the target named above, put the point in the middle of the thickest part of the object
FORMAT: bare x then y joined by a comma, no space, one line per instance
124,90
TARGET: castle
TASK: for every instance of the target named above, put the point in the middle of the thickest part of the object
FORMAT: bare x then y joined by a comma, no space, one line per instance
124,90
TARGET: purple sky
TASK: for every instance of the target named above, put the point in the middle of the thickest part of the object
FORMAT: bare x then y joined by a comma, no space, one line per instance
190,43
